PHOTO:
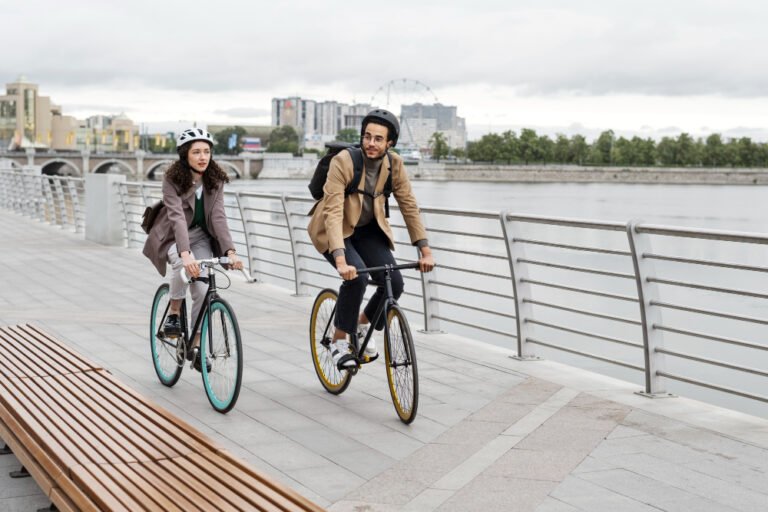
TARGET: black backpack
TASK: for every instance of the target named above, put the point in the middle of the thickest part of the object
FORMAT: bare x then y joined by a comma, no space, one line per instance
321,172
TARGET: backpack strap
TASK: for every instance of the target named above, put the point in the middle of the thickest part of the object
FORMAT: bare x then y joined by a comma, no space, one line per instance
357,166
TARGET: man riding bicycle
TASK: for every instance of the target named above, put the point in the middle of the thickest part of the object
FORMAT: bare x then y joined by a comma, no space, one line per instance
352,231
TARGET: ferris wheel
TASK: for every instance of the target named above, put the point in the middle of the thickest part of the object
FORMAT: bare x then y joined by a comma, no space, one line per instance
394,94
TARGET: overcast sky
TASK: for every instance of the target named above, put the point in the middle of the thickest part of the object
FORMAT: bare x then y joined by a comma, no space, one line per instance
648,68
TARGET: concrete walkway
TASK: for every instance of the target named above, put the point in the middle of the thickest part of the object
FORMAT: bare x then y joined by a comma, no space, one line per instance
492,433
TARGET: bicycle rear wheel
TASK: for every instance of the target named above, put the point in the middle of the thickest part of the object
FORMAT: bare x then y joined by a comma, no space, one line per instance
167,353
320,332
400,358
221,356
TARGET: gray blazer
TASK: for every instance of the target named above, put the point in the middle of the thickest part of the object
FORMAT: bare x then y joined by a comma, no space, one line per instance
171,224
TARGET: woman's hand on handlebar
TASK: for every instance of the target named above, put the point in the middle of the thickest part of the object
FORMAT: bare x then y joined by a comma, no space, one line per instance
190,265
235,262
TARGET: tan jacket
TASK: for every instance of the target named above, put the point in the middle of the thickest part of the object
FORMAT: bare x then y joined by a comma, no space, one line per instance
171,224
334,217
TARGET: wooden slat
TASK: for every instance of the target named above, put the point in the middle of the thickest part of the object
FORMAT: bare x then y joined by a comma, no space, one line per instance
198,481
21,452
62,502
90,478
24,416
74,357
59,423
164,430
35,354
168,484
253,486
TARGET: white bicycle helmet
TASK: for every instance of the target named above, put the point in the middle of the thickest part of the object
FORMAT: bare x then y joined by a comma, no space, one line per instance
191,134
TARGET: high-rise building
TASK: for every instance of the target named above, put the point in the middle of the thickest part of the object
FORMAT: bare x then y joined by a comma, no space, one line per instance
418,122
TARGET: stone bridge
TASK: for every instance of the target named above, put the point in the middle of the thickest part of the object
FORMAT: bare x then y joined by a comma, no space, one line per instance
138,165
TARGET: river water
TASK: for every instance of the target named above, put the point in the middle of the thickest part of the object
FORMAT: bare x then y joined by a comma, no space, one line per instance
732,208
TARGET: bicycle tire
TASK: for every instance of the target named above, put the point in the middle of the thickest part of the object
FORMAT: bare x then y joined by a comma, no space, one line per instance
320,331
400,361
167,353
221,346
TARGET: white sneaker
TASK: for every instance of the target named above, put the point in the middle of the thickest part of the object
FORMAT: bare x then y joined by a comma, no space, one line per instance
370,349
341,354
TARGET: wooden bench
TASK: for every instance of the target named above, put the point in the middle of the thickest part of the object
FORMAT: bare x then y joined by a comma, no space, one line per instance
92,443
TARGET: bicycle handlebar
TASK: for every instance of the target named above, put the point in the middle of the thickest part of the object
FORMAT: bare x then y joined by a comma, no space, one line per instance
211,262
402,266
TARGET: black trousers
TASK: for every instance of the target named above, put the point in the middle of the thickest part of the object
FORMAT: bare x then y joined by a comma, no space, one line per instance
367,247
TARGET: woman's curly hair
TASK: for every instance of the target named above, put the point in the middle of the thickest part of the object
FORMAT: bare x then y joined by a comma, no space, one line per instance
180,173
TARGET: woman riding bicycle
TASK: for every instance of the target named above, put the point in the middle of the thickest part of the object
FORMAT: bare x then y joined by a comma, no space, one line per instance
353,231
192,225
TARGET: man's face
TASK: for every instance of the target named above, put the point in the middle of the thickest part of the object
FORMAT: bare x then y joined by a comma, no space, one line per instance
375,142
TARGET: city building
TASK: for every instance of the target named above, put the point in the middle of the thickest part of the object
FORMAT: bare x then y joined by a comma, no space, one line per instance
418,122
29,120
320,122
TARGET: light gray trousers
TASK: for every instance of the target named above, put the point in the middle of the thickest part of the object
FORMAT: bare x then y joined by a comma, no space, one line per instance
200,245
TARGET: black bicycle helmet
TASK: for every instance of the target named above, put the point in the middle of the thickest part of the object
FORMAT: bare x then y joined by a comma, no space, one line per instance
385,117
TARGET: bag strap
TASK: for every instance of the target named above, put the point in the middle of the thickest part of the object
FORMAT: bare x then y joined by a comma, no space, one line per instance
357,166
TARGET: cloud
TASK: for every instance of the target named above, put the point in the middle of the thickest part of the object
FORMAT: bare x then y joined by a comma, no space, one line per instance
245,112
593,48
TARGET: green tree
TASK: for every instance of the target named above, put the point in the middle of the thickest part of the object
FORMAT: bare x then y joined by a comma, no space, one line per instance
578,150
714,151
562,150
667,151
686,153
509,147
602,148
439,146
644,150
223,139
283,139
487,149
348,135
459,153
545,149
529,146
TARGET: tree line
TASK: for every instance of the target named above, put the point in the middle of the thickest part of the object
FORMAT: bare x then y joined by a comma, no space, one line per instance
607,149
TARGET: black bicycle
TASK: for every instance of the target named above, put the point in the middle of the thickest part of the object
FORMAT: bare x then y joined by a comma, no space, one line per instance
220,351
399,351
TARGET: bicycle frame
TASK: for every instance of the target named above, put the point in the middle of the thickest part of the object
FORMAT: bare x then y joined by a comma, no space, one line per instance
210,294
383,307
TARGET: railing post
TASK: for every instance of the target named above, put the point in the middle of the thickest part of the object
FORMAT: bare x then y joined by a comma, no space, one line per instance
76,210
50,203
431,298
61,202
650,314
245,234
521,290
301,288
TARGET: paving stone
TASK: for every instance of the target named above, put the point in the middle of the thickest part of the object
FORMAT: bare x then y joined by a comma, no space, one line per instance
486,493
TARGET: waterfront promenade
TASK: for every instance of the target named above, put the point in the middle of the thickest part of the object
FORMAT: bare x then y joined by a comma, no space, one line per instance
492,433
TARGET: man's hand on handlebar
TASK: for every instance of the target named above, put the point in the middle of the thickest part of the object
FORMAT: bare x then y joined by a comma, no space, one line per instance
426,261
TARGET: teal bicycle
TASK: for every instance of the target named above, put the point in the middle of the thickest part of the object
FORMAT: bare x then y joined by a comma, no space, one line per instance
221,349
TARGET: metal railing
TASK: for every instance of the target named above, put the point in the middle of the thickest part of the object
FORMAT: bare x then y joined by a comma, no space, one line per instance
656,305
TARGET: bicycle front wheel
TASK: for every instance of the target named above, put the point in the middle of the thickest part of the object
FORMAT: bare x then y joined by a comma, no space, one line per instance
221,356
167,353
400,359
320,332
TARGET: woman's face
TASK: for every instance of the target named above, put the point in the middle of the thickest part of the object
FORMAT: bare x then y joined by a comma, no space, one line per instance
199,155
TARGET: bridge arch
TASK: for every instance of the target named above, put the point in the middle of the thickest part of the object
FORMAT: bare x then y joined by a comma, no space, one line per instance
232,171
60,167
114,166
156,171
